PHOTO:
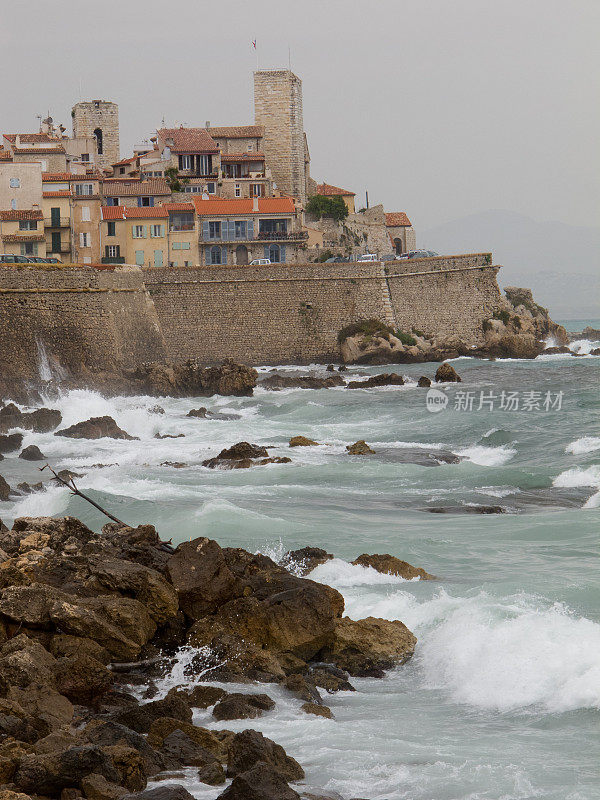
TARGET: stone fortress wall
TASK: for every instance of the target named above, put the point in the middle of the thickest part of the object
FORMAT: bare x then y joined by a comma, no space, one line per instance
89,116
109,319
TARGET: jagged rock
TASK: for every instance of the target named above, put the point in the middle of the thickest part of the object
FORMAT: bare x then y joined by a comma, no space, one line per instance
551,351
202,412
330,368
278,382
169,436
129,765
184,750
590,333
95,428
32,453
424,382
360,448
330,678
243,450
200,575
10,442
52,772
250,747
390,565
513,345
595,351
26,488
466,510
203,696
42,420
302,441
261,782
243,455
96,787
62,645
28,664
307,558
50,710
302,687
317,709
446,374
140,718
169,792
5,490
385,379
156,410
191,379
242,706
82,678
367,647
212,741
106,733
212,773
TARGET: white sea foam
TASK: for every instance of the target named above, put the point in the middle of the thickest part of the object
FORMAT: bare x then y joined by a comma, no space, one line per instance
587,444
339,573
49,503
578,476
487,456
583,346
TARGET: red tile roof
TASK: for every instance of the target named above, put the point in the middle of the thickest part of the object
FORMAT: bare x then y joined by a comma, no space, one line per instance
63,177
237,132
131,212
42,151
126,161
61,193
232,157
113,212
22,214
151,187
328,190
178,206
266,205
31,138
188,140
5,155
397,219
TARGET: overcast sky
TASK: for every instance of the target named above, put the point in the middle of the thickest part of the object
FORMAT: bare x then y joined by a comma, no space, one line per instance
440,108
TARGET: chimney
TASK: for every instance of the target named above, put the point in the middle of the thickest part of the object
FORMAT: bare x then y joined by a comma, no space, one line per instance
255,204
207,124
17,140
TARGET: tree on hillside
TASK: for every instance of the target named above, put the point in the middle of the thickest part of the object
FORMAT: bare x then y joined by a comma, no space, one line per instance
174,182
322,206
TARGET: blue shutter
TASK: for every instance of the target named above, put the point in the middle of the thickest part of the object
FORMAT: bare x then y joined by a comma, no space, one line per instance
223,255
266,251
282,252
151,202
250,226
205,230
139,202
232,229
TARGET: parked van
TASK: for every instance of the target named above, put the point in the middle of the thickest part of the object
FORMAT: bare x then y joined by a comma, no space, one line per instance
260,262
368,257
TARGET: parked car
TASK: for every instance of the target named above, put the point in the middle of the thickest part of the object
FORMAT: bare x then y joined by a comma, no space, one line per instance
388,257
368,257
9,258
336,260
52,260
260,262
422,254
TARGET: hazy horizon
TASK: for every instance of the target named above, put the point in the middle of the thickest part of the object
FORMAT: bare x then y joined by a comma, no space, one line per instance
440,110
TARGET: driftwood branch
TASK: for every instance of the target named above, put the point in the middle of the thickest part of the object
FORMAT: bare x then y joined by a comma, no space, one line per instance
70,484
127,666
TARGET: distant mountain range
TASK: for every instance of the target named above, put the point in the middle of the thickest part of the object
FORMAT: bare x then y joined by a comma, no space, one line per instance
559,262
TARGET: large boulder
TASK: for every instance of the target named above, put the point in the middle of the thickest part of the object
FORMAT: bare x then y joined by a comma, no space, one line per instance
302,441
242,706
243,455
107,733
181,748
5,490
277,382
95,428
50,773
446,373
390,565
200,575
50,710
32,453
25,662
249,747
262,782
10,442
140,718
213,741
305,559
82,678
368,647
359,448
385,379
191,379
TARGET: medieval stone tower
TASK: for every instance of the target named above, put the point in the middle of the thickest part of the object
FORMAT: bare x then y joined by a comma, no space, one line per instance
278,108
99,118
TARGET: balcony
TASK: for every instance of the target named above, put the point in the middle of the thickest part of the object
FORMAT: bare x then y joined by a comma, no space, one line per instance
65,247
55,222
113,260
297,236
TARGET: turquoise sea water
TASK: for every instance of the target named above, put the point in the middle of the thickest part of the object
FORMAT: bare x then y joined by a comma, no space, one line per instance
502,698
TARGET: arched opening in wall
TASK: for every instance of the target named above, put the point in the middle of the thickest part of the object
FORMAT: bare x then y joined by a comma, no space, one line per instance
275,254
398,246
241,254
98,135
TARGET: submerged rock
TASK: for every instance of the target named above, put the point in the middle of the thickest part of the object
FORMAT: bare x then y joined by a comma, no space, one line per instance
242,706
360,448
466,510
250,747
385,379
278,382
192,379
262,782
390,565
307,558
302,441
446,373
424,382
10,442
243,455
32,453
95,428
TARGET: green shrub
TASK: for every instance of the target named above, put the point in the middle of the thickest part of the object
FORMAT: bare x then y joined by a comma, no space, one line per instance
322,206
418,333
323,256
369,327
405,338
503,315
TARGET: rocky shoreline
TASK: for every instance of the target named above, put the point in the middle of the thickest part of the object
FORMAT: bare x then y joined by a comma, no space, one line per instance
90,622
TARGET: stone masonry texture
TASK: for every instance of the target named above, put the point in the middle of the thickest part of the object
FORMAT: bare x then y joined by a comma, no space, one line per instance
102,114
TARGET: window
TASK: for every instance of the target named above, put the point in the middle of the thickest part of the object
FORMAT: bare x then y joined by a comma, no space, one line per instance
156,231
13,204
55,248
55,217
240,229
27,225
250,147
272,226
138,231
99,142
139,258
216,255
87,259
193,189
214,231
257,190
111,228
210,188
182,221
145,202
238,190
29,249
112,251
85,156
181,245
121,170
15,183
112,201
85,213
274,254
84,189
84,240
185,162
204,165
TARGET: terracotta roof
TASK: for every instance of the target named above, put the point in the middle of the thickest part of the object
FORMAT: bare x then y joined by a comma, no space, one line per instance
63,177
42,151
124,161
31,214
178,206
328,190
397,219
188,140
61,193
131,212
229,157
266,205
113,212
5,155
151,187
237,132
31,138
